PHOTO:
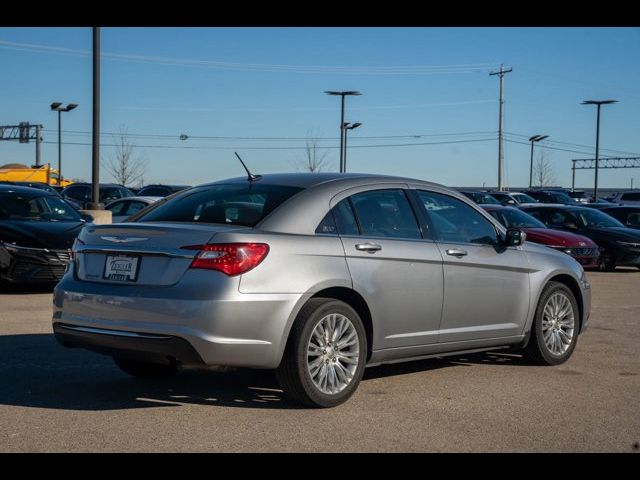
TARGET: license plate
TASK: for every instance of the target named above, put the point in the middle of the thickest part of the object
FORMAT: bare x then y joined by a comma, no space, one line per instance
121,268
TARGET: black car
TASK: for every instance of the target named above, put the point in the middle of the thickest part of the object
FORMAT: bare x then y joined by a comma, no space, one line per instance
160,190
619,245
552,196
628,215
46,187
37,231
482,198
81,193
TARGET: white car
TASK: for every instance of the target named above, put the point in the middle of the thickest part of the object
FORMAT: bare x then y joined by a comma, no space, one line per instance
125,207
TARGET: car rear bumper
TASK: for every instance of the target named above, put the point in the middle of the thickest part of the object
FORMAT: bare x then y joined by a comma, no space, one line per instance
223,328
139,346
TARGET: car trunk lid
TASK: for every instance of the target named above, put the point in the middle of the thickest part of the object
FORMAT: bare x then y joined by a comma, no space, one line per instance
141,253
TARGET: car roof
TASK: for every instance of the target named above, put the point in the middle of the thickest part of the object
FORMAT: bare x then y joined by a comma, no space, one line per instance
21,189
554,205
307,180
142,198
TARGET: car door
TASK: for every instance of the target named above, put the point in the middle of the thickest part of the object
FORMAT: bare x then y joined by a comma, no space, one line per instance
394,264
486,286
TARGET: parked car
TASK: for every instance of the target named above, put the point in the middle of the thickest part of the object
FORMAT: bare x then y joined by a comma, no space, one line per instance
627,198
512,198
37,230
484,198
583,249
160,190
552,196
126,207
81,193
619,245
324,275
628,215
46,187
579,195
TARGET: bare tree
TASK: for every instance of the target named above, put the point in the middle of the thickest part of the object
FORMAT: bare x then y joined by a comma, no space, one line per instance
543,174
314,160
126,165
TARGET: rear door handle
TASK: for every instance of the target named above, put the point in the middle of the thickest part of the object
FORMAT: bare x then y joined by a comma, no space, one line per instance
456,252
368,247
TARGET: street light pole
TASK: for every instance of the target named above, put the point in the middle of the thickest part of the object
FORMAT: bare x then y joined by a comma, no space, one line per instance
345,127
598,103
535,138
57,107
95,141
342,132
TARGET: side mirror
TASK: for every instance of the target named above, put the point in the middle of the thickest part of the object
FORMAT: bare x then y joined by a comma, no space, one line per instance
514,237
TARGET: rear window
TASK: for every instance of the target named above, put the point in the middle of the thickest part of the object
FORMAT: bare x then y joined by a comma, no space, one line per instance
236,204
631,197
154,192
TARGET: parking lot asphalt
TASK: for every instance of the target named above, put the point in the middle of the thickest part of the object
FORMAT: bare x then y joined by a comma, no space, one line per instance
54,399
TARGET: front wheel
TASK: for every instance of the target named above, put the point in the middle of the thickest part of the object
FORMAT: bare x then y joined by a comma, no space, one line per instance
554,332
608,262
325,355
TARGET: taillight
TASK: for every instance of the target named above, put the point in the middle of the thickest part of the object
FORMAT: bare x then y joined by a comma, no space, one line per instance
229,258
74,249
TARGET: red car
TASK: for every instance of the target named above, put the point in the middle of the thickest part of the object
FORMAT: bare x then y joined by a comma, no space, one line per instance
583,249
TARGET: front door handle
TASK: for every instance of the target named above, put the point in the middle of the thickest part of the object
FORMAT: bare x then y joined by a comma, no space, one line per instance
455,252
368,247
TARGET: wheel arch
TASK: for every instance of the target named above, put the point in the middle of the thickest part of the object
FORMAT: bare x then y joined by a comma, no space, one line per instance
346,295
572,285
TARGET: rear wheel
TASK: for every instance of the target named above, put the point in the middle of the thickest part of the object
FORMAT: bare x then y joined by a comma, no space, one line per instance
554,332
139,369
325,355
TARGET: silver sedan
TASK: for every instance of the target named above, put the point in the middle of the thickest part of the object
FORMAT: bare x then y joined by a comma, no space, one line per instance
316,276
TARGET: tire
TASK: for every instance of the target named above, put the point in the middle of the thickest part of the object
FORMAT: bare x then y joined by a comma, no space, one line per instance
540,351
295,371
608,262
139,369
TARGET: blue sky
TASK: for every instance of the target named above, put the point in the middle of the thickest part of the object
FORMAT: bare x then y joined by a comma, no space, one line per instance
428,86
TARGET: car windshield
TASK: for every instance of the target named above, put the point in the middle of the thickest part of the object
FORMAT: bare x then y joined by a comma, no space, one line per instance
563,197
595,218
39,208
512,218
524,198
234,204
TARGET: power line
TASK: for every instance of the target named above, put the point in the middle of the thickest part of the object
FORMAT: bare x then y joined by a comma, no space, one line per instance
188,147
260,67
572,144
210,137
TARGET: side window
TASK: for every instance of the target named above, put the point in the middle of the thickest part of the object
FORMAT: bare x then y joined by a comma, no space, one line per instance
134,207
455,221
77,193
117,209
540,215
327,225
633,219
385,213
631,197
339,220
562,219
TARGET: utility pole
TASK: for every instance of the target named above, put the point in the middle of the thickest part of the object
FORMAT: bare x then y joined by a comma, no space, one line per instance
95,143
501,73
598,104
534,139
38,140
